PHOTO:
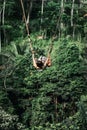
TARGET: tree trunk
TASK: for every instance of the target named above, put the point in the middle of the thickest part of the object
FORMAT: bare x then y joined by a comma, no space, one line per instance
0,29
42,10
42,7
73,31
30,9
0,41
3,19
61,21
72,9
72,13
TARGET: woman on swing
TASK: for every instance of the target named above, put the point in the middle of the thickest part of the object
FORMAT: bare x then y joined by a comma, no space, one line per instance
42,62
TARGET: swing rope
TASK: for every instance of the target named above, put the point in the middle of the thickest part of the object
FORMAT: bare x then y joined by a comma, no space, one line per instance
27,29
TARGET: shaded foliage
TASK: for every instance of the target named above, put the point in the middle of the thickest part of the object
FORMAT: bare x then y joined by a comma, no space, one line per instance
52,99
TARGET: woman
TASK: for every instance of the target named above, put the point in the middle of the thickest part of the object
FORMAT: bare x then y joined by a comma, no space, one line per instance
42,62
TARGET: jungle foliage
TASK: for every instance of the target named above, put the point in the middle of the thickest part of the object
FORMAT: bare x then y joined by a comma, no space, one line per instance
55,98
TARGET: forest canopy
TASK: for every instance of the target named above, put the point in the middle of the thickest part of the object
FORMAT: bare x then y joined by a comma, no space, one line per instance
54,98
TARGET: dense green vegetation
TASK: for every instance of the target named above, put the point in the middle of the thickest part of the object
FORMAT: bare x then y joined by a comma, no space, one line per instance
55,98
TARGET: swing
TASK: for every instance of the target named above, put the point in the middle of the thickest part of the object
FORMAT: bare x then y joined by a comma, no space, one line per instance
42,62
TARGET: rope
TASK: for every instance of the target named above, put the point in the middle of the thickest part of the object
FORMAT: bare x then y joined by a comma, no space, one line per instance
26,26
51,46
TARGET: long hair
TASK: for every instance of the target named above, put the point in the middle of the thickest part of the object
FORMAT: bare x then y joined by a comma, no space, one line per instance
39,64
